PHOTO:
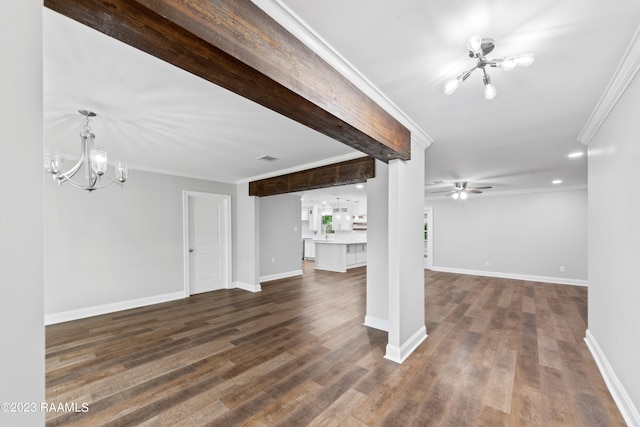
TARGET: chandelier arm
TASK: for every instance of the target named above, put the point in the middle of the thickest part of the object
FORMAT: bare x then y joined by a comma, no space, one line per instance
94,186
464,76
66,176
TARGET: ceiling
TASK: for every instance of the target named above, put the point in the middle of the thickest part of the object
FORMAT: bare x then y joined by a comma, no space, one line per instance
160,118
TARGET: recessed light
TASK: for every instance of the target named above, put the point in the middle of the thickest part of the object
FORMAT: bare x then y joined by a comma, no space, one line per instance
556,181
359,186
576,155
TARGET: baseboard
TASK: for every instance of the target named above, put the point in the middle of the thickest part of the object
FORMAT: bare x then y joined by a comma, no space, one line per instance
376,323
400,354
81,313
543,279
280,275
247,286
625,405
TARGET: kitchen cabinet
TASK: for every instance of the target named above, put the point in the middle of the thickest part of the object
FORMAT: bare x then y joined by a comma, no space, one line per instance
356,254
340,256
309,248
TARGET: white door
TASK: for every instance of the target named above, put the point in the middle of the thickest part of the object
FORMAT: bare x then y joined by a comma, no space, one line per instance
208,242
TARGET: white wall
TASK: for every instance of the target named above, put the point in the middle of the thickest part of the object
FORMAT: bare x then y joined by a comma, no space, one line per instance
530,234
614,245
280,238
116,245
21,294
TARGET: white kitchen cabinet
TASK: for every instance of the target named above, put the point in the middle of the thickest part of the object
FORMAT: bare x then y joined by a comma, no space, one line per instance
340,256
309,249
356,254
314,218
361,253
351,254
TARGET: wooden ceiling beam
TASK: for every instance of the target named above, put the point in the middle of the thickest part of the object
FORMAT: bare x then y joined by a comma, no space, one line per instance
343,173
236,45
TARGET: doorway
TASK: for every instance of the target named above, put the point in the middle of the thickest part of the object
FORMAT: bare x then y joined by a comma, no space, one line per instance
207,242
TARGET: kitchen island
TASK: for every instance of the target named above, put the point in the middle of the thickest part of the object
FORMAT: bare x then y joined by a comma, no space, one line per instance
339,256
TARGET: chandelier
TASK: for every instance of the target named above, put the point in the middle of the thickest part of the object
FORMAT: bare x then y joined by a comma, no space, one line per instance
94,162
478,49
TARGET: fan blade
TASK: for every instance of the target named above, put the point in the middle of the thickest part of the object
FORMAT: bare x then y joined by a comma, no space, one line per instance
473,190
486,187
441,191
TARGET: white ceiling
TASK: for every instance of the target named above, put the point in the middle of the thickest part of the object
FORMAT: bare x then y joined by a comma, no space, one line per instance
160,118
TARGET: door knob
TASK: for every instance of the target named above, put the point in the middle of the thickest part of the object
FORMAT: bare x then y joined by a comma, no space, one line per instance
190,250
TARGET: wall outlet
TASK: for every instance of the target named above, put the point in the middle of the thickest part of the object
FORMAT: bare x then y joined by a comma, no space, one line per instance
487,263
295,228
562,269
273,260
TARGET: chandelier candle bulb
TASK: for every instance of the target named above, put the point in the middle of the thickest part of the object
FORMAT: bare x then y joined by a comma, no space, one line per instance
526,59
99,162
451,86
122,171
474,44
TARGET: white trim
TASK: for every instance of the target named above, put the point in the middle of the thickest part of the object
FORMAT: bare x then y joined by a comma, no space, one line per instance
185,235
375,323
323,162
623,76
528,277
277,276
620,396
400,354
246,286
296,26
81,313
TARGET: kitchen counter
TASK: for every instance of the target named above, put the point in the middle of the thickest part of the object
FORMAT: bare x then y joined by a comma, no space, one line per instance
340,255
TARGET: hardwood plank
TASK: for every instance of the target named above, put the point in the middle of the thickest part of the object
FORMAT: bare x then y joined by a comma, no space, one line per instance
499,353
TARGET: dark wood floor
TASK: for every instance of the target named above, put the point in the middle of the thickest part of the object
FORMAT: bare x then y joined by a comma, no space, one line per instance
499,352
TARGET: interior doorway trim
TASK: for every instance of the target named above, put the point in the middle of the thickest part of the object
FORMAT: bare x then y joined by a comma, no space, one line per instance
186,194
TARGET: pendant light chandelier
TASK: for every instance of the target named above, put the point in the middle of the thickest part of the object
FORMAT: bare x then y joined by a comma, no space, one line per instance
478,49
94,162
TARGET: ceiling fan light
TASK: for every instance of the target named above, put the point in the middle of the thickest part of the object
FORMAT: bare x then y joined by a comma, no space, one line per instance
451,86
525,60
474,44
463,195
455,196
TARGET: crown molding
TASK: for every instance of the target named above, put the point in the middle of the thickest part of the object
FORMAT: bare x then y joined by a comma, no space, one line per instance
623,76
296,26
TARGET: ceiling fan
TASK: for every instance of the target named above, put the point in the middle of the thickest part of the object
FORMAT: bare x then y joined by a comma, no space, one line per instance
460,190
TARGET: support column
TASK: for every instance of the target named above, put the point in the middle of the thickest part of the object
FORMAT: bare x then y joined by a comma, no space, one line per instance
395,270
248,240
406,271
377,315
